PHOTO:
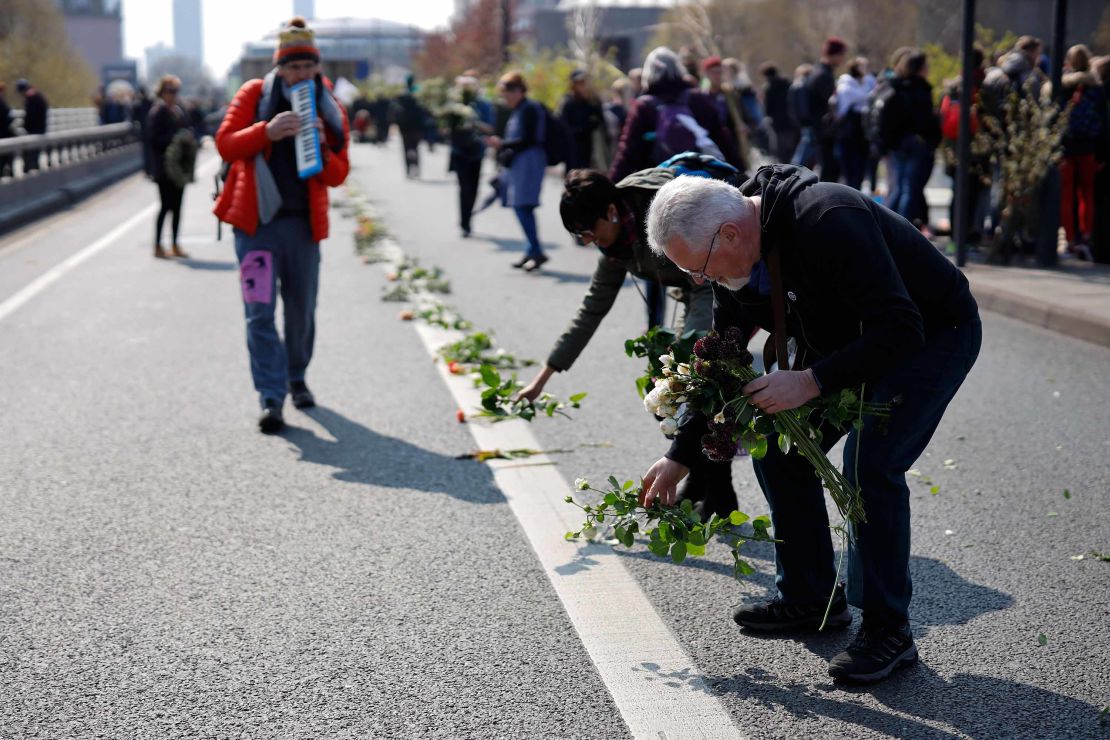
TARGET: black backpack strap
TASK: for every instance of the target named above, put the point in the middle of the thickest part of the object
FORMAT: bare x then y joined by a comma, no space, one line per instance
778,313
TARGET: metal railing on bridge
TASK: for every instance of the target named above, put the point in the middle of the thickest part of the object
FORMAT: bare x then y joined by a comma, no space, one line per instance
21,155
45,172
60,119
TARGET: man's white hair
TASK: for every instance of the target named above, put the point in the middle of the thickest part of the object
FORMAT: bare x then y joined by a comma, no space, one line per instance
661,64
692,208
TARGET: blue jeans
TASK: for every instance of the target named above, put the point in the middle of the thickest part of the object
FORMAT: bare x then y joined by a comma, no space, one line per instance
280,255
879,549
808,148
527,217
914,165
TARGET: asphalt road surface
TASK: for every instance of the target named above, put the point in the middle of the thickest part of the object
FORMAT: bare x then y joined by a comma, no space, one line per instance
166,571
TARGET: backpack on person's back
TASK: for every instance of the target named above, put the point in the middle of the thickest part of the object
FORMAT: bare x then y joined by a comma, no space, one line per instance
677,131
1084,121
881,118
556,138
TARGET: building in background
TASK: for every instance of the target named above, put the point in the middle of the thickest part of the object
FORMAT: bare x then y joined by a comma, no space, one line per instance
305,8
95,28
152,55
354,48
188,29
626,26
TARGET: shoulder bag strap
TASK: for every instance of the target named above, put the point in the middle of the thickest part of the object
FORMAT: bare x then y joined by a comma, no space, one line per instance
778,310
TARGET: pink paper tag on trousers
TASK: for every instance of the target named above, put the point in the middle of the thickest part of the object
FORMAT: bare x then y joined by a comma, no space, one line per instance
256,274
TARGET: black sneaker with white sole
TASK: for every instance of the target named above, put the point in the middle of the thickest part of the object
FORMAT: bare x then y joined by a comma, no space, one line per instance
780,616
878,650
271,421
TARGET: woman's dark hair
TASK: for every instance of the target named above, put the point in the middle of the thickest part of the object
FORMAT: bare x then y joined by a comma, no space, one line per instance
587,195
911,64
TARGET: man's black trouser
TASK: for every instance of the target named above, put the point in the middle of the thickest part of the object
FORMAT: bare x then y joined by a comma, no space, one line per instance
876,460
469,172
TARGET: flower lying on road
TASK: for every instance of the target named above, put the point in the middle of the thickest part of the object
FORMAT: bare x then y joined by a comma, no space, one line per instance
672,531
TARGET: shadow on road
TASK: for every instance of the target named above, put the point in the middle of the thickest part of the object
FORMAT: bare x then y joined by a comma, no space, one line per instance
918,695
215,265
941,596
364,456
511,245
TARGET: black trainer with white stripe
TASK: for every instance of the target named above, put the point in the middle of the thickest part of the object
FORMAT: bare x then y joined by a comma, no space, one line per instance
879,649
780,616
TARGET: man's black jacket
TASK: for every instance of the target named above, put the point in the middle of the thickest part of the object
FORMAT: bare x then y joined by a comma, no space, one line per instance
863,286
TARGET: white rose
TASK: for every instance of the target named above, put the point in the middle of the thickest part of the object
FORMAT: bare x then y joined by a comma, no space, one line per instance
668,410
666,359
581,484
668,425
683,369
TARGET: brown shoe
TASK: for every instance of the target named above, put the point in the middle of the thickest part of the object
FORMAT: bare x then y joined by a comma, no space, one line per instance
160,253
178,252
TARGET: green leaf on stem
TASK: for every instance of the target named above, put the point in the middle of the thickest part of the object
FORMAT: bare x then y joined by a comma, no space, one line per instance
678,552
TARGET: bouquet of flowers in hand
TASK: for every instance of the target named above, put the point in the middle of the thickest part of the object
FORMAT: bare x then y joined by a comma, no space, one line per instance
710,380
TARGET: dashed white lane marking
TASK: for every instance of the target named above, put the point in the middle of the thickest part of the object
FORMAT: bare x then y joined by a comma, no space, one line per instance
48,278
653,681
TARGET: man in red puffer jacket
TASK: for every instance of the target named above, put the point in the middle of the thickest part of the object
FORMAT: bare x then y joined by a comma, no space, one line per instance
280,218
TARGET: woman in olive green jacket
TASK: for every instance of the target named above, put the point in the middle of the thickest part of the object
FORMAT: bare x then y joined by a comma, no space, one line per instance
613,218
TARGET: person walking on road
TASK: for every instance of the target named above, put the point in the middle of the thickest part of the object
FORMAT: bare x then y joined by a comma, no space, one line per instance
873,304
5,132
668,119
165,122
467,128
816,144
522,156
280,218
36,110
914,127
1085,141
776,102
412,120
853,90
580,111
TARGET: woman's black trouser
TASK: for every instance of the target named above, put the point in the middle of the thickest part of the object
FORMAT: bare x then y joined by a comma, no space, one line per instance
171,203
469,172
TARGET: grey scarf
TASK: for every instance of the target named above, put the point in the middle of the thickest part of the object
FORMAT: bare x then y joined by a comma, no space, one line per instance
269,198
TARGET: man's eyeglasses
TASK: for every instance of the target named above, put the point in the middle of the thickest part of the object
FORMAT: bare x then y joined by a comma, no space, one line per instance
699,275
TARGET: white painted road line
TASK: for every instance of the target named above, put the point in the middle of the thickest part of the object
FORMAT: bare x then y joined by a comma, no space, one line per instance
620,629
42,282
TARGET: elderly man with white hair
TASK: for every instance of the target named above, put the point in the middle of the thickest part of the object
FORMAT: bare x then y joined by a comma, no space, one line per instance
870,303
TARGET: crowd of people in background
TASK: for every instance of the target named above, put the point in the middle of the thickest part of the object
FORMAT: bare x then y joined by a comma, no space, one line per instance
845,117
880,128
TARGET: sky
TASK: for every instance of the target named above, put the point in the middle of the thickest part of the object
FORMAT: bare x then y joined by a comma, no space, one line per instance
228,24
